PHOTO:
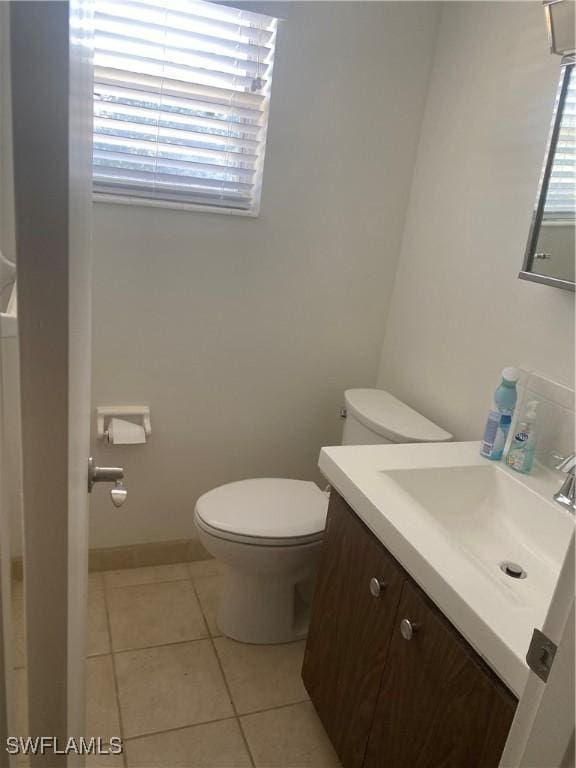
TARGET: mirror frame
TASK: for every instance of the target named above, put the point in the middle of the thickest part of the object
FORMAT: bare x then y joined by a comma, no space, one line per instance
534,233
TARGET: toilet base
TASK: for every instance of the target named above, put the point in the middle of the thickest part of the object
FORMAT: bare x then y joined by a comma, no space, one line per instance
266,590
256,610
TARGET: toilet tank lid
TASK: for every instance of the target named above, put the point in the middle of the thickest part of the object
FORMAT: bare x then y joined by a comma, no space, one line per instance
387,416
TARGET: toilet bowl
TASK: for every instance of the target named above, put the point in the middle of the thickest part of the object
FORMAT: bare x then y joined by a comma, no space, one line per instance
267,532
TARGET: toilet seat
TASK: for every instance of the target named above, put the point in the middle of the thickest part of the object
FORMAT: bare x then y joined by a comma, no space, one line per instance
264,512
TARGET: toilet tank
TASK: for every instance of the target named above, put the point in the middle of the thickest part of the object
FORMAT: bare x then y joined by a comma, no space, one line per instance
373,416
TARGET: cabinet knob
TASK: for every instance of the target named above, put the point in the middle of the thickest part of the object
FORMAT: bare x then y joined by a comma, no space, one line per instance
407,629
377,587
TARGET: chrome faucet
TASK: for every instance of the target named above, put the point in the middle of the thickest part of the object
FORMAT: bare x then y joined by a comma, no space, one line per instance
566,496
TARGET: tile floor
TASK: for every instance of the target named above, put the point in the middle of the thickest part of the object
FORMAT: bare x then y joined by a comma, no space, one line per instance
180,694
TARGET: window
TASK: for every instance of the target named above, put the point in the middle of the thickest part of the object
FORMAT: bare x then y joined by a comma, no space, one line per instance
181,97
560,202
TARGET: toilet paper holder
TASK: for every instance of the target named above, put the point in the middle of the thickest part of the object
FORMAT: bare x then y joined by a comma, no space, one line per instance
139,413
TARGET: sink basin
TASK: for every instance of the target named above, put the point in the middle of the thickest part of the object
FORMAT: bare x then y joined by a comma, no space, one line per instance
494,519
452,518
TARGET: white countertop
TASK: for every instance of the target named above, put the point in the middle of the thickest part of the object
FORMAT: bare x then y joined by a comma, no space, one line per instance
495,613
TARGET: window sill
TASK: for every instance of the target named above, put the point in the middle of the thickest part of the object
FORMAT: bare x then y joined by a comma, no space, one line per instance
138,201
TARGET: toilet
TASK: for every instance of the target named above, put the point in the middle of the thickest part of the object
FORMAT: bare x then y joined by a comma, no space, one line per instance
267,532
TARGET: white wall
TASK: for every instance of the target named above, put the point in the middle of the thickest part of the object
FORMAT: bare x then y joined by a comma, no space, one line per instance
458,312
241,334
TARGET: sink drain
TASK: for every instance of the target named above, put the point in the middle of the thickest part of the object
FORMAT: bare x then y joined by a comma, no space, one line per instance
513,570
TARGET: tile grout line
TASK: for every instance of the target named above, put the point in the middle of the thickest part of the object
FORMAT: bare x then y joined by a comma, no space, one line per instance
143,584
180,728
156,645
114,675
216,720
273,709
185,563
213,644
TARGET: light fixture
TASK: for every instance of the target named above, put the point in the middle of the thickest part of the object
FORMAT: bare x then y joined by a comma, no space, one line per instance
560,20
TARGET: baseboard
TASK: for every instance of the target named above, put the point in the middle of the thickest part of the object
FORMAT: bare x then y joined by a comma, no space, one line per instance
151,553
136,556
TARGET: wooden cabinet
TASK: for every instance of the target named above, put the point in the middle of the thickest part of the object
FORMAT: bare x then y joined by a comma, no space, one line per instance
438,704
350,631
384,700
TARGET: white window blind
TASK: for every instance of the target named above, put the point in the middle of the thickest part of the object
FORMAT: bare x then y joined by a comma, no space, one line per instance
181,96
561,194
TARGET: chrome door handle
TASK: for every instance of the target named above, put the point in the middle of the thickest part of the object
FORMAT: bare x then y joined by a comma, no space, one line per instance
407,628
115,475
118,494
377,587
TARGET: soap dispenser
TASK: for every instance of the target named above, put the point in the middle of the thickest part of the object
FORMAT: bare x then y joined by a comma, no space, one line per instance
521,453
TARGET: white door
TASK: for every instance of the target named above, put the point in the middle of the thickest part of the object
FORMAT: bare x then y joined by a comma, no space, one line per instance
542,733
52,112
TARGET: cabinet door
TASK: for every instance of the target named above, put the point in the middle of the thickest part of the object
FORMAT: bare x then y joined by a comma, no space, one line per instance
350,631
439,704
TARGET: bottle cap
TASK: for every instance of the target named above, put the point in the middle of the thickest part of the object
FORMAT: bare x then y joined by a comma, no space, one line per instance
511,374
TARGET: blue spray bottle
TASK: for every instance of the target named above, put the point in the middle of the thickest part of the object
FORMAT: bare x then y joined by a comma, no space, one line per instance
500,416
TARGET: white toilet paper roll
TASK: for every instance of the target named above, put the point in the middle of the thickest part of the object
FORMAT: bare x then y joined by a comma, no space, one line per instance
122,432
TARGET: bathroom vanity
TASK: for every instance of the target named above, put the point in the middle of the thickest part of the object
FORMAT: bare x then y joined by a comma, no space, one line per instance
417,658
393,682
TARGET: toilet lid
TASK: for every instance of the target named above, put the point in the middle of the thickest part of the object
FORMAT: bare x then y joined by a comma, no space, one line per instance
269,508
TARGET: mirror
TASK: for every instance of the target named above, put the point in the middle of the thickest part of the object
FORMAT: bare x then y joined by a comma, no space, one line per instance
550,255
